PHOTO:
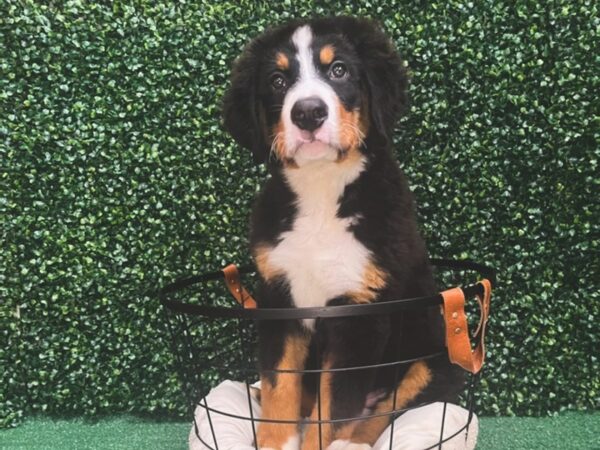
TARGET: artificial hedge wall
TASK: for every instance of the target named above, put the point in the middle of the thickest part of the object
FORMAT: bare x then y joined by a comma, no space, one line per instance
116,177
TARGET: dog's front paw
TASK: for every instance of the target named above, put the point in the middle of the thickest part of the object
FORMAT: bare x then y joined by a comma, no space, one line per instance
343,444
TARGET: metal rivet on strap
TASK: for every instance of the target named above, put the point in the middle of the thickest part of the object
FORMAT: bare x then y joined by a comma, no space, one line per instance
457,330
454,315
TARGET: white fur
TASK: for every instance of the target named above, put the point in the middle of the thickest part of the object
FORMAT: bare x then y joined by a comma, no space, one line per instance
309,84
418,428
292,443
320,257
342,444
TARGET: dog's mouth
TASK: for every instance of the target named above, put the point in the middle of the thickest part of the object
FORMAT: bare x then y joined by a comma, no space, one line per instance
316,137
312,146
307,137
313,150
298,147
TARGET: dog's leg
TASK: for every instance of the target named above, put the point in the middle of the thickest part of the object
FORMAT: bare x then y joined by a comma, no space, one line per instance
321,410
347,342
412,384
281,392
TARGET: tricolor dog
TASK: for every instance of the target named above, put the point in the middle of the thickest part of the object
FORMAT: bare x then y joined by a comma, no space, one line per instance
316,101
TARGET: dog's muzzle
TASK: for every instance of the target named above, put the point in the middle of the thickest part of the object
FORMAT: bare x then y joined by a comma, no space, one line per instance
309,113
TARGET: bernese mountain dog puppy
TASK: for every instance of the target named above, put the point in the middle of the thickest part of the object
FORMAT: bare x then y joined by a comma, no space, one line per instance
317,101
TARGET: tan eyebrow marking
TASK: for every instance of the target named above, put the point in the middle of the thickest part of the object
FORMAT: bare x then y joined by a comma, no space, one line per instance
326,54
282,61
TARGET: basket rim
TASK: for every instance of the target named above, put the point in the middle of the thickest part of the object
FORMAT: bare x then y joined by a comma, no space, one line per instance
378,308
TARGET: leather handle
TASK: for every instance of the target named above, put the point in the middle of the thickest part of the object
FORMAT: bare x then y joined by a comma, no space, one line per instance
457,332
232,281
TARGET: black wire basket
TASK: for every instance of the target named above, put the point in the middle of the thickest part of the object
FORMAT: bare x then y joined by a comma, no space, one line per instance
214,339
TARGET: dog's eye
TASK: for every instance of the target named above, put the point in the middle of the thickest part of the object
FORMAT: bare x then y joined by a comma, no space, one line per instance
278,81
338,70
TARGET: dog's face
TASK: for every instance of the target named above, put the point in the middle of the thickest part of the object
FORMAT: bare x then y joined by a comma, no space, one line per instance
314,90
310,90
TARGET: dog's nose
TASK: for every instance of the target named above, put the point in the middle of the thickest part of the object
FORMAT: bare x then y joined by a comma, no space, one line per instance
309,113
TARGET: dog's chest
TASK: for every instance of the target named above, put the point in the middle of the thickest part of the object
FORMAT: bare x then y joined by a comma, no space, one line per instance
320,257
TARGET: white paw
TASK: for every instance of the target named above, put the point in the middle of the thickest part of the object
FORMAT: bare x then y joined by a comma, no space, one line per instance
343,444
293,443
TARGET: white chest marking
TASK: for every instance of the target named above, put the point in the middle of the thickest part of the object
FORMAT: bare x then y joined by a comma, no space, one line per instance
319,256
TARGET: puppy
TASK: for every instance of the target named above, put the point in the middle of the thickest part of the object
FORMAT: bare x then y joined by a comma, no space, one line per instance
317,100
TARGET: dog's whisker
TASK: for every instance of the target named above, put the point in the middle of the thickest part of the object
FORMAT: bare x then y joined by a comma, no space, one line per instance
356,131
354,127
277,140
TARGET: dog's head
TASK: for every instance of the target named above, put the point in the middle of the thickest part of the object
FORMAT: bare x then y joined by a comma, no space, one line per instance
314,89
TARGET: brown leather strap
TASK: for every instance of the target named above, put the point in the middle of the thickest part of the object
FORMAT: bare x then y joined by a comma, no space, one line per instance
484,305
457,331
232,280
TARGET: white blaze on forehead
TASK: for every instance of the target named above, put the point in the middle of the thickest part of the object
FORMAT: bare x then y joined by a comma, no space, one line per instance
302,39
309,84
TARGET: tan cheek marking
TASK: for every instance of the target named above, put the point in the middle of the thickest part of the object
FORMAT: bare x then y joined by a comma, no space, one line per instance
282,62
311,438
374,279
278,145
326,55
352,130
278,140
281,401
416,379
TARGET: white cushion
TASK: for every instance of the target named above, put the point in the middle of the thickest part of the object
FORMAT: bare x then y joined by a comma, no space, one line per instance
416,429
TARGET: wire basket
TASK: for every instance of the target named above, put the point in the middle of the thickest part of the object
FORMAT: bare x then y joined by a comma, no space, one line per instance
214,339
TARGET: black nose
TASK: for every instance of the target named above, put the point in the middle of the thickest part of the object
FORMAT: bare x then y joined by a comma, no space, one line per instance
309,113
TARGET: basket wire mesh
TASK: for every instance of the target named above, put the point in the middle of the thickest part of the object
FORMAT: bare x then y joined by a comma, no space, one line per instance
214,339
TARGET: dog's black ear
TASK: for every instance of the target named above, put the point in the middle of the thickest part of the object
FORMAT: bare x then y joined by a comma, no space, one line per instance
242,113
384,74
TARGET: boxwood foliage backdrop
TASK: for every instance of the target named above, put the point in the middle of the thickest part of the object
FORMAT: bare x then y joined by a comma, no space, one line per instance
116,177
